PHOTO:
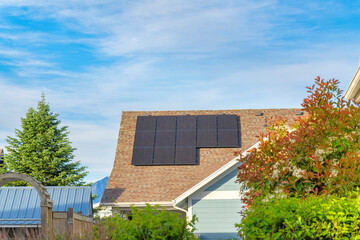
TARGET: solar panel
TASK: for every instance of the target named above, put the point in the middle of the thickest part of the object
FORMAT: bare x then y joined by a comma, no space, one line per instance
206,139
185,123
144,139
228,138
164,156
142,156
227,122
206,131
166,123
186,138
165,139
228,131
185,155
206,122
145,123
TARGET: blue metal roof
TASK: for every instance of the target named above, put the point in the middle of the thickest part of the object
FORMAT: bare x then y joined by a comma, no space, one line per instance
21,205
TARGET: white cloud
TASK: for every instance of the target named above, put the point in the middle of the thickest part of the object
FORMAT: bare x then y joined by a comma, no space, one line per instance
14,101
159,26
14,53
96,146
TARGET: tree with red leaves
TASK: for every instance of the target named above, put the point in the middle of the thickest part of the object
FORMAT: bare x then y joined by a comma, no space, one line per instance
314,154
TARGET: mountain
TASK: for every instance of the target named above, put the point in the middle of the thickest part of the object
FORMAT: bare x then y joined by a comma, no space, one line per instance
98,189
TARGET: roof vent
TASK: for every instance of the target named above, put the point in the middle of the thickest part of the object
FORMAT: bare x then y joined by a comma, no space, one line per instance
265,124
299,113
258,114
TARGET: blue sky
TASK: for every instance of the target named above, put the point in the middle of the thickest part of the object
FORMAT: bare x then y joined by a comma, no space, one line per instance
95,59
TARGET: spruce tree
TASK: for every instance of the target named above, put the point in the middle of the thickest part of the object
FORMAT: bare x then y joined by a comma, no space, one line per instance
42,149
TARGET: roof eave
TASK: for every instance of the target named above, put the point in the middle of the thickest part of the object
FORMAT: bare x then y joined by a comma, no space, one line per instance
20,226
136,204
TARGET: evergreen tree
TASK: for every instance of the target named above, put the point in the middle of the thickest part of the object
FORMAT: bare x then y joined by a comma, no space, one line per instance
42,149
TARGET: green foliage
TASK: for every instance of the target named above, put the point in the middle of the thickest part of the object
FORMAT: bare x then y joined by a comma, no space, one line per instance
148,223
315,217
2,167
42,149
314,154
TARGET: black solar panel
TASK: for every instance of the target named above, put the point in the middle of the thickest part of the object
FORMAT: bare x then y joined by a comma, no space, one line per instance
187,122
206,139
166,123
228,122
145,123
206,122
228,138
186,138
228,131
164,156
144,139
185,156
165,139
168,140
206,131
142,156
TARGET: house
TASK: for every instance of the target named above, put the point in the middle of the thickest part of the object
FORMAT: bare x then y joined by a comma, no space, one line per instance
353,91
184,161
20,207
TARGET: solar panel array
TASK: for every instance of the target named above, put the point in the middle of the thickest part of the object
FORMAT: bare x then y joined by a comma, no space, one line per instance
173,140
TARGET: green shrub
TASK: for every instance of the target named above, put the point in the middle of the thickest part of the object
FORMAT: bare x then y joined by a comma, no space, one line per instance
149,223
315,217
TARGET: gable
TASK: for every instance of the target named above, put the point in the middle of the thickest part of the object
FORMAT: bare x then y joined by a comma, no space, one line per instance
227,183
216,206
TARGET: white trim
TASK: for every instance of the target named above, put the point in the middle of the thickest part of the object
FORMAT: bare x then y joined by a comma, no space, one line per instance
207,195
21,226
20,219
212,176
138,204
190,205
353,89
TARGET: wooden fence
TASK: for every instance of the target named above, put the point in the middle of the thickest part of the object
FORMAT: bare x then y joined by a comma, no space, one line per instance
70,223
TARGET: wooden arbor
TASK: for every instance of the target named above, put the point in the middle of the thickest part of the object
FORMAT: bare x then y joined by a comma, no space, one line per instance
46,203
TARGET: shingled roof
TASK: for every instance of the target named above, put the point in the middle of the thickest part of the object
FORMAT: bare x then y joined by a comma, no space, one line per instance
134,184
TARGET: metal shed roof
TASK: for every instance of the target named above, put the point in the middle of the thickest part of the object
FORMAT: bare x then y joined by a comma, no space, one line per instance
21,205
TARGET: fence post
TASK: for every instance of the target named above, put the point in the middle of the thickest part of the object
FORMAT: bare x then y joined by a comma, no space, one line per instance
70,222
46,221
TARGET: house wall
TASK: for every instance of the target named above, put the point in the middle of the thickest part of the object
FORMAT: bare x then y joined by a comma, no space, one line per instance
217,208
